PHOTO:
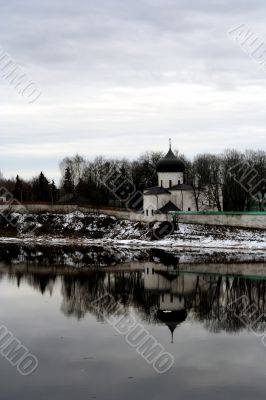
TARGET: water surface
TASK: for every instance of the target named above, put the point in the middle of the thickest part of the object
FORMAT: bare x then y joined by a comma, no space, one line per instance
81,356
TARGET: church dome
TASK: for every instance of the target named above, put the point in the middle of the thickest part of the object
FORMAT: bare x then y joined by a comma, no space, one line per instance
170,163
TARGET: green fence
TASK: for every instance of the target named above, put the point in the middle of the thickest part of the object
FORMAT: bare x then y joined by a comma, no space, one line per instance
216,213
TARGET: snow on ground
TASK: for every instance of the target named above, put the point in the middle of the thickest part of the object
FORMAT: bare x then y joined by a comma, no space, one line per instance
99,229
88,239
204,236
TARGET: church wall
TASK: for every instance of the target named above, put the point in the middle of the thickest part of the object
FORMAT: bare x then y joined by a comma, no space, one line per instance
181,285
183,199
151,278
165,177
154,202
171,303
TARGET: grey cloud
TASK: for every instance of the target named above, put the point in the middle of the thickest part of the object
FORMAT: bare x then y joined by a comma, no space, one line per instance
113,68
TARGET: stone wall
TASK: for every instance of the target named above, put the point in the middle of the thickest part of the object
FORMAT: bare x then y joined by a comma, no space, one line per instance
241,220
65,209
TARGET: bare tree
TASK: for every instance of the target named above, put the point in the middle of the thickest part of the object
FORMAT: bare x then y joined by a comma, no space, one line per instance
76,166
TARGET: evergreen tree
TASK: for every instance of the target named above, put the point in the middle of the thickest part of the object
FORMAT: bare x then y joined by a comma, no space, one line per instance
41,189
68,185
17,192
54,192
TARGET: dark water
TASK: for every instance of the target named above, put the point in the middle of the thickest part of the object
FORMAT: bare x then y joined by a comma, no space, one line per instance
81,356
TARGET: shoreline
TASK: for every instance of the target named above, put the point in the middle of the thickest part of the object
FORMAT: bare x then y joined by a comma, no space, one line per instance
167,244
80,239
83,252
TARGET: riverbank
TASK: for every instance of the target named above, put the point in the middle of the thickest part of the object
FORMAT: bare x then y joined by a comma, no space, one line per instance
87,238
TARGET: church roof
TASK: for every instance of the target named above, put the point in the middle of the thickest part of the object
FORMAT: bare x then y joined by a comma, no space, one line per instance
172,319
156,190
167,208
170,163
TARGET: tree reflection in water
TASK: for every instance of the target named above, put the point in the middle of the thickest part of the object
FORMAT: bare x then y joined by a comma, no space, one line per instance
156,293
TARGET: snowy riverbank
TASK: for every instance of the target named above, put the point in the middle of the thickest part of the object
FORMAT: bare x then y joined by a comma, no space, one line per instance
60,228
84,239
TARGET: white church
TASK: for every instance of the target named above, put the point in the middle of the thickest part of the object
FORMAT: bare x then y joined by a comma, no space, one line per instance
172,193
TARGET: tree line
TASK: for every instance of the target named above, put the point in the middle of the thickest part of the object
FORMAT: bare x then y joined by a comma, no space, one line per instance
239,176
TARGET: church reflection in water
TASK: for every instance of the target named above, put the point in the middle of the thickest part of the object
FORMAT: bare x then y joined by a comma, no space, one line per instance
172,290
157,293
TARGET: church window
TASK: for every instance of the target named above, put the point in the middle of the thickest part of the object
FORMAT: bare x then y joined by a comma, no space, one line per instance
170,183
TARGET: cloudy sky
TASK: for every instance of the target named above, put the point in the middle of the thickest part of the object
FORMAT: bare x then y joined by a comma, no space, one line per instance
119,77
